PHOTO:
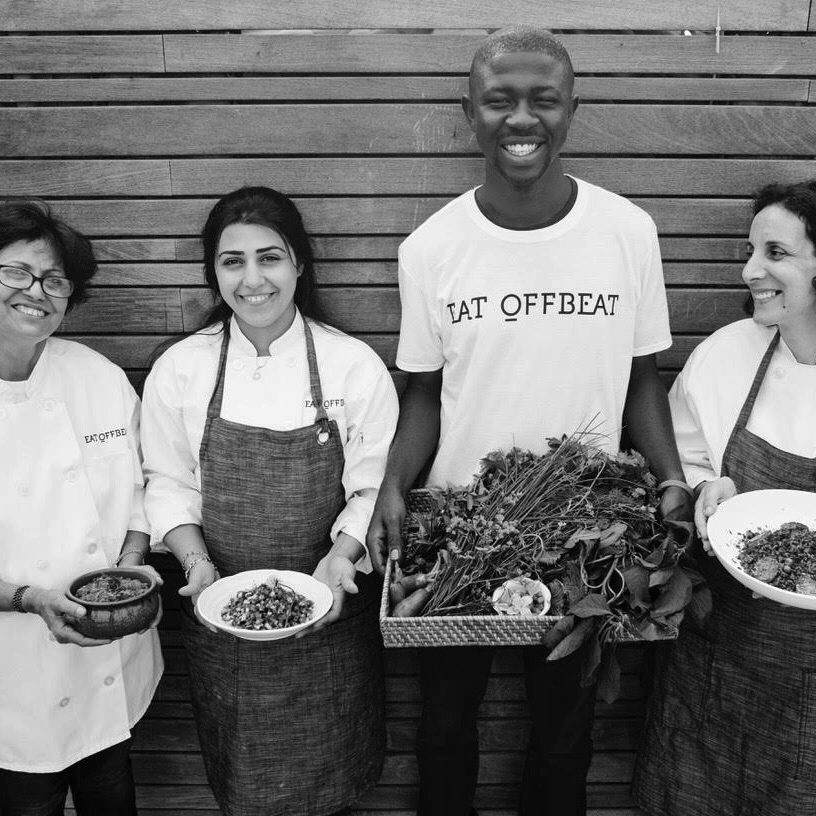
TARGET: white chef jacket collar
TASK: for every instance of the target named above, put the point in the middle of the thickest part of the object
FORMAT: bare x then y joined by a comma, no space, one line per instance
290,340
783,353
33,383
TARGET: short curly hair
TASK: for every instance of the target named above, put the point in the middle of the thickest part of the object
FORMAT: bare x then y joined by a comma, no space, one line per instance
524,39
32,221
799,199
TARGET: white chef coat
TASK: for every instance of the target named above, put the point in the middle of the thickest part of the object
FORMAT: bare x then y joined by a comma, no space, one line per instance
71,487
268,392
708,394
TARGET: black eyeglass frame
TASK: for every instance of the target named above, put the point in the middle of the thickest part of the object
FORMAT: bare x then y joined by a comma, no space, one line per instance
43,281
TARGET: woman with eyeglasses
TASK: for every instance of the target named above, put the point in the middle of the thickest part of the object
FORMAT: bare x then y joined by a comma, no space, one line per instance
71,501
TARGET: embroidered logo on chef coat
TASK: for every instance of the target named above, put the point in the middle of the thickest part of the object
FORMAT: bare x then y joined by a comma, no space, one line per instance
105,436
327,403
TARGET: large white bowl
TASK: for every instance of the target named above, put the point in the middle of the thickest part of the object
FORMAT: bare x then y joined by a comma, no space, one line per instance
755,511
215,597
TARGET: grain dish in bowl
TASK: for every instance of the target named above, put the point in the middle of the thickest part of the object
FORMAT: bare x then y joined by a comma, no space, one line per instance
264,604
766,539
119,601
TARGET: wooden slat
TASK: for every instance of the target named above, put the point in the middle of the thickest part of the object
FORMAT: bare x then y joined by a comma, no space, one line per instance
85,177
391,812
701,311
147,15
128,351
450,176
123,310
175,688
370,309
368,216
389,797
403,662
394,175
675,357
147,249
494,735
424,128
178,709
382,88
452,53
497,768
82,55
368,273
384,247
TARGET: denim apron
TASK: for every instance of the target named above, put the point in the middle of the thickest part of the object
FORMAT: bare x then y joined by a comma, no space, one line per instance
731,729
290,727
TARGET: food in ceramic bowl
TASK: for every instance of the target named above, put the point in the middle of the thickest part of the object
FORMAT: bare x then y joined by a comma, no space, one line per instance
312,598
119,601
773,525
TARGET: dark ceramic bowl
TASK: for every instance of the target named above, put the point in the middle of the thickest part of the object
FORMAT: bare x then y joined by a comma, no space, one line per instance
112,619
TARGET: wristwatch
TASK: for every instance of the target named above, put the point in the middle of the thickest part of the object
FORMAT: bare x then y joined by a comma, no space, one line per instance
17,598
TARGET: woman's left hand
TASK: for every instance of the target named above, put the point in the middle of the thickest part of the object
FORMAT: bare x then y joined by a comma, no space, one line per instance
337,572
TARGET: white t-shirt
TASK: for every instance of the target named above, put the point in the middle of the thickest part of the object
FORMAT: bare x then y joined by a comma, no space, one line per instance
266,392
71,486
535,330
709,392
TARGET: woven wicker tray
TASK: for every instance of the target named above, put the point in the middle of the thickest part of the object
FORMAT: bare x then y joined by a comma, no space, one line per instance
461,630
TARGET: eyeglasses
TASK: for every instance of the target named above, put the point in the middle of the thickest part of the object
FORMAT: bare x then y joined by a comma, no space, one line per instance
54,285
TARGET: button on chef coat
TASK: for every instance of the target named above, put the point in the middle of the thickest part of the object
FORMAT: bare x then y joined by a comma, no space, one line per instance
358,394
69,435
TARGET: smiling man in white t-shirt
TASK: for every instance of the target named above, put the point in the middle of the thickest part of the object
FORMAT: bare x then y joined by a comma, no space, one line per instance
532,306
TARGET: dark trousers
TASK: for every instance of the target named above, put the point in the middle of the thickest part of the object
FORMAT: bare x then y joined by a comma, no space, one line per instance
101,785
453,683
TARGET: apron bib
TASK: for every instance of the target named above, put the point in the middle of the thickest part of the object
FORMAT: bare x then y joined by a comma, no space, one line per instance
732,728
292,726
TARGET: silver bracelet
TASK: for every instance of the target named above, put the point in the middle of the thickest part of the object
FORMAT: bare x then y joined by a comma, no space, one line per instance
195,558
676,483
128,552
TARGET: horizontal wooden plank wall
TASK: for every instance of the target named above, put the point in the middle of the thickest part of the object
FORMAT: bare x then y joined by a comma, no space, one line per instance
132,118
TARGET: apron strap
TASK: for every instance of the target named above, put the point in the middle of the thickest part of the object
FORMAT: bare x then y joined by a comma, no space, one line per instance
748,405
214,408
321,417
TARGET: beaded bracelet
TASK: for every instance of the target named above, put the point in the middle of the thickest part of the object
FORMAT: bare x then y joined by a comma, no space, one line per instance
676,483
17,598
128,552
195,558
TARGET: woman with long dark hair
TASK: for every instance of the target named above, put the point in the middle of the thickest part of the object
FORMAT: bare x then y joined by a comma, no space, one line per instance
265,436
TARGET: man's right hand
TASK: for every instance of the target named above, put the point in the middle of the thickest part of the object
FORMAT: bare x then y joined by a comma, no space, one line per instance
384,537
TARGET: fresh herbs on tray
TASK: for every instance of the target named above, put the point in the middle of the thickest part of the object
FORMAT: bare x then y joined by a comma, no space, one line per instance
580,521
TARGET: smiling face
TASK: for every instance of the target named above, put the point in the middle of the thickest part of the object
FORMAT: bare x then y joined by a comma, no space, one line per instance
780,271
29,316
520,107
257,275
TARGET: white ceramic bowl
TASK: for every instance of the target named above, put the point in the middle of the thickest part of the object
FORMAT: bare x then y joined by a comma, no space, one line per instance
753,512
215,597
